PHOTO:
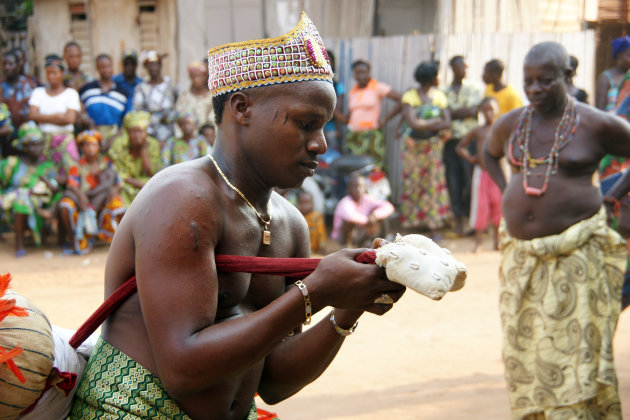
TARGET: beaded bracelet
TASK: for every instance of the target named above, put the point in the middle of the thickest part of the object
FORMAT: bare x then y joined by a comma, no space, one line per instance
308,309
340,330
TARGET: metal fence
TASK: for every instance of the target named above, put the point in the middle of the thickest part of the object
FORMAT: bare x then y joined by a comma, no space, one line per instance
394,59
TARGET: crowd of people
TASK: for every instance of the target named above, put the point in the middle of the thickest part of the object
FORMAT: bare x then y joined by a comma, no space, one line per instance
193,341
141,126
77,149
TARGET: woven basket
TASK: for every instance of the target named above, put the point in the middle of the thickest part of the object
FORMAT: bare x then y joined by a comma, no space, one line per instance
33,334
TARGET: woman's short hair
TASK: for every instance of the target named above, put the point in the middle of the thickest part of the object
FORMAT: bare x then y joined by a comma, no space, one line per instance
426,72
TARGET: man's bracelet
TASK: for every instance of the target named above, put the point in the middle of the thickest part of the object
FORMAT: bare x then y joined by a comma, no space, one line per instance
308,309
340,330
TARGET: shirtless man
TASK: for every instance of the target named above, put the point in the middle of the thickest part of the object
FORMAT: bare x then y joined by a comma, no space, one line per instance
215,339
562,267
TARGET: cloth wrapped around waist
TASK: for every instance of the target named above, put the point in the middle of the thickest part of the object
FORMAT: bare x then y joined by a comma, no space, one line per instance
559,304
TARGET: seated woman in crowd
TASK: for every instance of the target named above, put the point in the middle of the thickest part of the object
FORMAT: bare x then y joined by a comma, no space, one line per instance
28,184
358,216
55,108
187,147
135,154
91,206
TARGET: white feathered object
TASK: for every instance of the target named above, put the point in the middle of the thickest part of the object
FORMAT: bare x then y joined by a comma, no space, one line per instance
419,263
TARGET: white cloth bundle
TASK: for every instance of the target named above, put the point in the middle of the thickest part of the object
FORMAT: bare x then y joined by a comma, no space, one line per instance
422,265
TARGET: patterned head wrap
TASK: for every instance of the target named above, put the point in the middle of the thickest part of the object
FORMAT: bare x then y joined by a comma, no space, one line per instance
28,132
54,61
186,114
89,136
197,66
136,119
295,56
619,45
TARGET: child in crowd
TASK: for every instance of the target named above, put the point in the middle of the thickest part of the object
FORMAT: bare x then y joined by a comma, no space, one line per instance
91,206
188,146
208,133
485,204
358,216
315,221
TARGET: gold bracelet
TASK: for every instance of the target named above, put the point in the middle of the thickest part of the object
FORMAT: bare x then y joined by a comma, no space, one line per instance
340,330
308,309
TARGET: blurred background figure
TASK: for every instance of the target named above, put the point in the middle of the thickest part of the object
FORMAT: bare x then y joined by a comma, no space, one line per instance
506,95
359,216
485,205
157,96
28,184
579,94
128,78
463,99
91,206
105,101
136,155
189,145
15,89
607,87
55,109
74,78
365,124
197,98
314,220
424,202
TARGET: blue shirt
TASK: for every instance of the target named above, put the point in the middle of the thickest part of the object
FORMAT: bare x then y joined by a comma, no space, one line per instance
120,80
105,108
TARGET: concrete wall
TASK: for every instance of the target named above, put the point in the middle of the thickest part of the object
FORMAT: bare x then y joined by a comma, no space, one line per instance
51,28
113,27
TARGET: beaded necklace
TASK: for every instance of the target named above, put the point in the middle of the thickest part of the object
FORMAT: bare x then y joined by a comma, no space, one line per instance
521,137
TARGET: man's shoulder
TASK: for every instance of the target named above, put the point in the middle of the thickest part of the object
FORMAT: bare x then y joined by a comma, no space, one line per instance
509,119
90,89
179,184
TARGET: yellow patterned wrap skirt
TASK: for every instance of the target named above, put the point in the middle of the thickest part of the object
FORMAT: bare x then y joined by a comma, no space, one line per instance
560,297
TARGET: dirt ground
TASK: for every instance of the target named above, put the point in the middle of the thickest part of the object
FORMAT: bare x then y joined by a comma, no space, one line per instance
423,360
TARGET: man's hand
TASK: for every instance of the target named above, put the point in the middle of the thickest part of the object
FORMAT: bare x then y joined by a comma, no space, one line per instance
342,282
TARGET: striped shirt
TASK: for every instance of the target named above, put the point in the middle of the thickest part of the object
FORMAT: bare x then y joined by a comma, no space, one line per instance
105,108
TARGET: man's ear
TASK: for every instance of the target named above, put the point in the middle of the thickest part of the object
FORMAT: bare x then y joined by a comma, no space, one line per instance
240,105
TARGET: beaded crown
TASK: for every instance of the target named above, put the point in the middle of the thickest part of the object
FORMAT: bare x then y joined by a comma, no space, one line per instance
295,56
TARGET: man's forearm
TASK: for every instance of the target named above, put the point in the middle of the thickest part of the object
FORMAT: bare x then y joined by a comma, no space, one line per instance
301,359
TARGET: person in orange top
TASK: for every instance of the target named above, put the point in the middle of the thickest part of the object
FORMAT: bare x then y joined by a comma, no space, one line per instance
91,206
365,136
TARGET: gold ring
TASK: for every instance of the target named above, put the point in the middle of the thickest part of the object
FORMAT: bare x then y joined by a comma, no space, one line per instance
384,299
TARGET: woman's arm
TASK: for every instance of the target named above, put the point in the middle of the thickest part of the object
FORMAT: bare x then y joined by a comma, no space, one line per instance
69,117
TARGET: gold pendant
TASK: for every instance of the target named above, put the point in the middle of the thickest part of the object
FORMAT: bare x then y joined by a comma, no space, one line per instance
266,240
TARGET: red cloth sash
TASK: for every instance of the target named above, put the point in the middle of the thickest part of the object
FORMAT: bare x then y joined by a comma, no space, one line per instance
289,267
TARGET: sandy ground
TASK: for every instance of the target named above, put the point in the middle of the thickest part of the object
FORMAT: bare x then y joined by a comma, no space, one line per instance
423,360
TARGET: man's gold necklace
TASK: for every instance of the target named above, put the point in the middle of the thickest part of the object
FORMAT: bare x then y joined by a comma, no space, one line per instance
266,239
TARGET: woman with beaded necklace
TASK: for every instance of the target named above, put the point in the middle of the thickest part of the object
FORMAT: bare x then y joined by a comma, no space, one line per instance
562,266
